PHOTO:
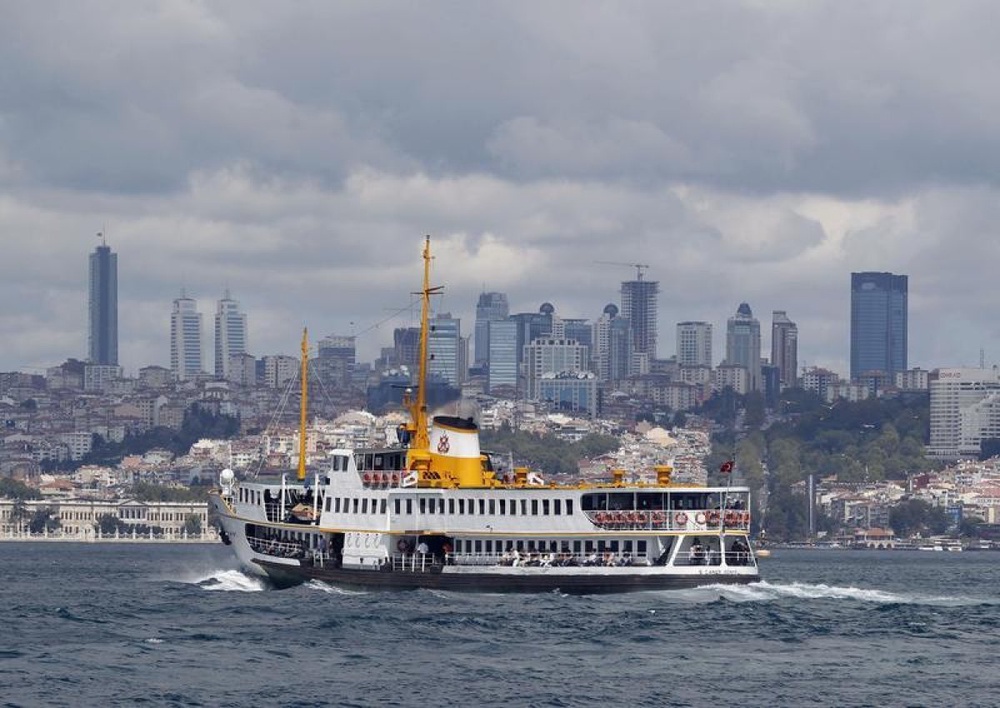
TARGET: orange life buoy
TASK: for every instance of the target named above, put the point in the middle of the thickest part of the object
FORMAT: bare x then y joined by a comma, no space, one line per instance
367,478
395,478
746,518
601,517
658,517
730,518
713,518
680,518
402,545
700,517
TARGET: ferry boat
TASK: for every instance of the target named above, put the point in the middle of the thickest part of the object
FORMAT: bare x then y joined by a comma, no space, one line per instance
433,512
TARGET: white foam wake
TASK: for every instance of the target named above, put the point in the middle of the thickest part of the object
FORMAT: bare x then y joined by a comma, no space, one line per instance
764,591
230,581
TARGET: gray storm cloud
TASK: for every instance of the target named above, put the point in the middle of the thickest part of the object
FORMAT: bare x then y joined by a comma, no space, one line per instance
297,153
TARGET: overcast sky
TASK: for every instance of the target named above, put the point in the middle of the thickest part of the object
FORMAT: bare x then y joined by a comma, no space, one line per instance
297,153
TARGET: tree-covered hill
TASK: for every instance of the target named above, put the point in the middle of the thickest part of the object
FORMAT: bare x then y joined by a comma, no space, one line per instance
545,453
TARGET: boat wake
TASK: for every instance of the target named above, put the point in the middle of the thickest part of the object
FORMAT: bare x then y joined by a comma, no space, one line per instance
764,592
229,581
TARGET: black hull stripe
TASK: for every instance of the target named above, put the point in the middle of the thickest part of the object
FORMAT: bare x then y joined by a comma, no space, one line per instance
285,576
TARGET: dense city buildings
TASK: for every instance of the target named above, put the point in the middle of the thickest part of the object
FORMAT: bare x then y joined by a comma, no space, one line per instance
879,313
103,339
185,339
785,348
230,334
743,344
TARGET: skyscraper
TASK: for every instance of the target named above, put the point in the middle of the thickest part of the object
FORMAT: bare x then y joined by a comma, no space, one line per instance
492,307
230,334
336,360
406,347
443,348
612,348
785,348
694,344
103,339
743,344
185,339
547,358
639,301
878,323
502,356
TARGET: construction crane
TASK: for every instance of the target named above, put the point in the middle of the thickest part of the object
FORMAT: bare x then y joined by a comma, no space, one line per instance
638,267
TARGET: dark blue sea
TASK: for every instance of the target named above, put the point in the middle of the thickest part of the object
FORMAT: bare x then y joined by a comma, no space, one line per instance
178,625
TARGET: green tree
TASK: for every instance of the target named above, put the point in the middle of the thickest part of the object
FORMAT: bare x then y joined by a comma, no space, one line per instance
44,520
18,514
14,489
915,516
192,525
108,524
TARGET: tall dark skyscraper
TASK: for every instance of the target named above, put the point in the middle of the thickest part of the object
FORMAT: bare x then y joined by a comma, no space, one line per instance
878,323
785,348
103,339
743,344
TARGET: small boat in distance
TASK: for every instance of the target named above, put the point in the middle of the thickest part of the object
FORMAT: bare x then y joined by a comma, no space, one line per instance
434,512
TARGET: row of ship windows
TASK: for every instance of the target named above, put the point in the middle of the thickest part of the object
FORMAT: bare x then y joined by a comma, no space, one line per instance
436,505
549,546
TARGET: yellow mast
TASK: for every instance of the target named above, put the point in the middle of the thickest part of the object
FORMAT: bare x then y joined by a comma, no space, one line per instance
419,450
304,402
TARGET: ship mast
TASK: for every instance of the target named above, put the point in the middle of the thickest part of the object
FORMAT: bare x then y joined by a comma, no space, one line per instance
418,408
304,376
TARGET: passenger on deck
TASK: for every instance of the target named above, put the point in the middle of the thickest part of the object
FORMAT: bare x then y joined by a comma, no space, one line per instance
422,548
740,552
508,556
697,554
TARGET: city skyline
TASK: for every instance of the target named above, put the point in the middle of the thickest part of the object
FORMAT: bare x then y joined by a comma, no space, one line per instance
763,171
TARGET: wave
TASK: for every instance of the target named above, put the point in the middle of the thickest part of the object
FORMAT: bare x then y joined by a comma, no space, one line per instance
764,591
332,589
229,581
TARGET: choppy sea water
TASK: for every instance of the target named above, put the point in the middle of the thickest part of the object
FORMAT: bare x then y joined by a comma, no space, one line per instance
160,625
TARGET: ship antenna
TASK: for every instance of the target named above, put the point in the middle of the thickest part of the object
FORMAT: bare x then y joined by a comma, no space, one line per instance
303,404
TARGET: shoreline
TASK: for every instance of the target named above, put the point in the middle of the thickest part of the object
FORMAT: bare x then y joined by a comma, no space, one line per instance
95,539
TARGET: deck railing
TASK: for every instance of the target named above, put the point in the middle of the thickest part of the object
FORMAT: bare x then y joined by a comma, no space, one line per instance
671,519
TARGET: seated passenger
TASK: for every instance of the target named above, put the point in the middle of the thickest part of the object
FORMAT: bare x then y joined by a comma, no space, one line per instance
696,556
